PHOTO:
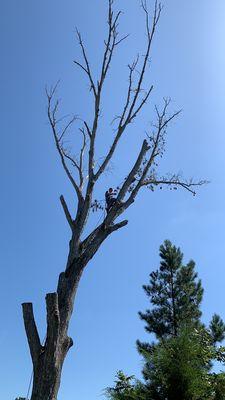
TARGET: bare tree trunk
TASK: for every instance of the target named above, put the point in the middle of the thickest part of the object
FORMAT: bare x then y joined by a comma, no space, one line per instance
47,375
47,370
48,359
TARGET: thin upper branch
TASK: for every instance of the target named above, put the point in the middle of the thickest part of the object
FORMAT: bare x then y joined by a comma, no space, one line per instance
132,108
175,181
157,149
82,151
110,45
150,35
86,68
52,110
132,68
71,121
129,180
77,164
142,103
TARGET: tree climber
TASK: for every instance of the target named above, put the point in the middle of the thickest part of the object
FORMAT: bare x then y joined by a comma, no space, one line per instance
110,198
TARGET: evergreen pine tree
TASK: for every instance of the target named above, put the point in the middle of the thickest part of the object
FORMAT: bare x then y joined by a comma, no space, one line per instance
177,366
175,294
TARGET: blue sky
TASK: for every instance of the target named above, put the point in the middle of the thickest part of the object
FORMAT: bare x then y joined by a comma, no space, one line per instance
188,63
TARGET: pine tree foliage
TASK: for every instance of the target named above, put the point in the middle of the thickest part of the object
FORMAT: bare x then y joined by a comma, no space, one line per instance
217,328
178,368
126,388
174,292
218,384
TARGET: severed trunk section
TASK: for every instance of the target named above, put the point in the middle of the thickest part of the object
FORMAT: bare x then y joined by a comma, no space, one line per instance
48,359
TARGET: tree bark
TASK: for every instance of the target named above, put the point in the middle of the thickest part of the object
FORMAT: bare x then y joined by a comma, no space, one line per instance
47,370
48,359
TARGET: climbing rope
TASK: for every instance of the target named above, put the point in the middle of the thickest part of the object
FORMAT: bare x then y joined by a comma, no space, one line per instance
29,387
102,217
32,375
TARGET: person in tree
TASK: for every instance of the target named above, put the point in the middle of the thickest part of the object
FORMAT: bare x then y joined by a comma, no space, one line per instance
110,198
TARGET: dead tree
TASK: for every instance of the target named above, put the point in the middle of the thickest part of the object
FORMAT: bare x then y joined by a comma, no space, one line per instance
83,174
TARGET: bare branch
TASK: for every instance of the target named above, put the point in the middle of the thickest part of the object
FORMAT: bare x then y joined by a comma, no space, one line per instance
143,102
50,93
150,35
129,111
66,127
129,91
110,45
115,227
52,120
110,153
175,181
157,146
163,120
67,213
81,66
69,157
121,40
129,180
88,129
87,65
82,151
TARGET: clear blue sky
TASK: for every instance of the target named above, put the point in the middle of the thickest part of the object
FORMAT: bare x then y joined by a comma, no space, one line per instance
188,63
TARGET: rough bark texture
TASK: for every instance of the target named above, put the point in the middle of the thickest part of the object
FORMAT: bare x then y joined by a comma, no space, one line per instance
49,358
